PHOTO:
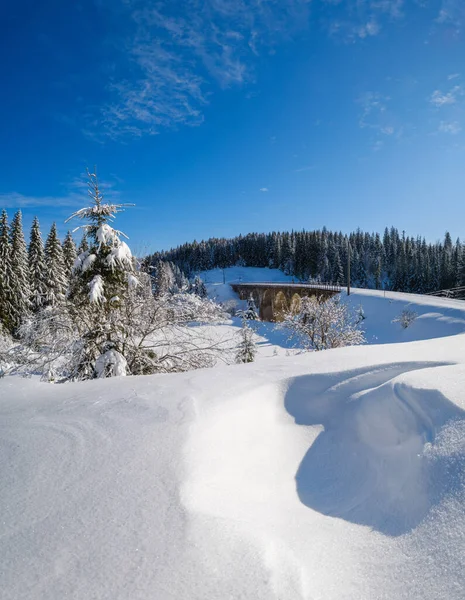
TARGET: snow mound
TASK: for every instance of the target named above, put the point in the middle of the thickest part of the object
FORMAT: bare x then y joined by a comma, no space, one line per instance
336,475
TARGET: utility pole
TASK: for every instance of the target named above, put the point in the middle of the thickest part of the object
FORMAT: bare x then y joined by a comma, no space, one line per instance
348,266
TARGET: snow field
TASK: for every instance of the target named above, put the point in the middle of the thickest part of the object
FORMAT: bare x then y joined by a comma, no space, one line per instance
337,475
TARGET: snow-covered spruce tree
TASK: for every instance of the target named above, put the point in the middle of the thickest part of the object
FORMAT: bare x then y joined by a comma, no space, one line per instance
83,244
163,279
6,293
198,287
37,268
56,280
322,324
99,285
20,289
251,312
69,254
247,349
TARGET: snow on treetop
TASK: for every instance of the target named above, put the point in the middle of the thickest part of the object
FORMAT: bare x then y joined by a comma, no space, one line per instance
102,210
108,236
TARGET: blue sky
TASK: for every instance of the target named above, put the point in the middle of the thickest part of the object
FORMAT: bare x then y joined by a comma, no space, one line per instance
220,117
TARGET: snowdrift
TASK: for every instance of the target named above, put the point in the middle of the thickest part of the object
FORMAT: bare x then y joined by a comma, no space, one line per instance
329,476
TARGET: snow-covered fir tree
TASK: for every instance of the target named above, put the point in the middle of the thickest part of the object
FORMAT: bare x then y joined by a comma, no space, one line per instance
247,348
20,288
198,287
69,253
83,244
251,312
56,279
163,279
7,310
37,267
102,276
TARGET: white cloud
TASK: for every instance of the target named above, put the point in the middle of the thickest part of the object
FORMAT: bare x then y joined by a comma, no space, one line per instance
439,98
452,127
264,189
453,76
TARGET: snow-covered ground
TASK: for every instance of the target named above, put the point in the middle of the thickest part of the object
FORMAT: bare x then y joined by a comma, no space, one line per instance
337,475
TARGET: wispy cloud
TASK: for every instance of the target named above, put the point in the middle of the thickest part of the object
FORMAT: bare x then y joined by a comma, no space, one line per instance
451,12
452,127
439,98
17,200
350,20
175,60
380,118
302,169
264,189
376,114
75,195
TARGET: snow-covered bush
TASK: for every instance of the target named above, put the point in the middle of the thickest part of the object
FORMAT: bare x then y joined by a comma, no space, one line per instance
406,318
322,324
230,307
110,364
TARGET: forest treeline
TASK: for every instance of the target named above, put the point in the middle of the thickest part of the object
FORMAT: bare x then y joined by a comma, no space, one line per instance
392,261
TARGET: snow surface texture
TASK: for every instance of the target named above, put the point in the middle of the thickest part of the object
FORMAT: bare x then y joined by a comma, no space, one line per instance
337,475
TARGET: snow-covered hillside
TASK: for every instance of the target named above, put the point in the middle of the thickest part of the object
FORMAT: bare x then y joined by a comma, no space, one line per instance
337,475
436,317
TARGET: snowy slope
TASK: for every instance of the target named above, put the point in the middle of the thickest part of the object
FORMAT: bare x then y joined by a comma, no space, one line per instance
437,317
329,476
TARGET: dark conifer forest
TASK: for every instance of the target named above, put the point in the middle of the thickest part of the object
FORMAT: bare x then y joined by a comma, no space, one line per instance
392,261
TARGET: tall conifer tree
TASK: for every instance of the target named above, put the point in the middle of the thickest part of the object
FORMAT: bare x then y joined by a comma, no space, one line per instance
69,253
56,280
20,288
37,267
6,294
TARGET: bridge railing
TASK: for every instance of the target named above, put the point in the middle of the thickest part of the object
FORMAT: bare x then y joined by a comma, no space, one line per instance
324,286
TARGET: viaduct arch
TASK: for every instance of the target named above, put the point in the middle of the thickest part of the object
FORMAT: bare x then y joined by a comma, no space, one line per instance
274,299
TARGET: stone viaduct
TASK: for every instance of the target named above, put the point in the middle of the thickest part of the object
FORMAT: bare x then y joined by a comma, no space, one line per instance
275,299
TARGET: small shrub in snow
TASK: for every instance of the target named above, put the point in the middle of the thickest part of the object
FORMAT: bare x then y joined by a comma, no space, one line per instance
321,324
247,349
406,318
